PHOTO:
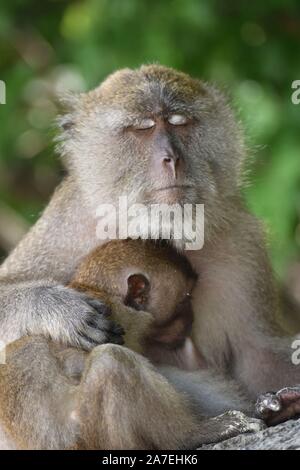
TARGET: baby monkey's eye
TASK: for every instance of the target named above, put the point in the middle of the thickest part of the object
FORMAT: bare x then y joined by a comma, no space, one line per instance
177,120
145,124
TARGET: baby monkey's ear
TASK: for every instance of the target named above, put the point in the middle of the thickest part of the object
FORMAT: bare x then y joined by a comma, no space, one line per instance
137,292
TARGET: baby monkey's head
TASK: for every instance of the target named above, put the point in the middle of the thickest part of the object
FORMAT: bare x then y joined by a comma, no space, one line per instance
145,276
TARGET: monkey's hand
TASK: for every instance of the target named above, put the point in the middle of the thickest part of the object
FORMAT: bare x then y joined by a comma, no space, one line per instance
229,424
73,318
277,407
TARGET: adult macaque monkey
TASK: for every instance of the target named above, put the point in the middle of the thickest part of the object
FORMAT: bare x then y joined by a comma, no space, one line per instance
154,135
56,397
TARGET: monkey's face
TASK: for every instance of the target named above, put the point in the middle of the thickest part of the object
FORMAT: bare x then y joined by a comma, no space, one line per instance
154,135
171,302
168,297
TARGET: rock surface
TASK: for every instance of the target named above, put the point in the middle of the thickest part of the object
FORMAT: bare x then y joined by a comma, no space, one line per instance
281,437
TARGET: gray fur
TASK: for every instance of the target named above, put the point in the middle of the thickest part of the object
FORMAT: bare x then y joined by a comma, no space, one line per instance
235,301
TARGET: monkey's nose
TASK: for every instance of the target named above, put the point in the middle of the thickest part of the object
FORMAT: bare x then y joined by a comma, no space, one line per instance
170,164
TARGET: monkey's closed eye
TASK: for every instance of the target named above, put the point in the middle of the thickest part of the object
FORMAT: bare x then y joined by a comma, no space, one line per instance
177,119
145,124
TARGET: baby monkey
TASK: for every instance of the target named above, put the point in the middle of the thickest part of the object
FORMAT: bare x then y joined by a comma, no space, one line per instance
53,397
152,279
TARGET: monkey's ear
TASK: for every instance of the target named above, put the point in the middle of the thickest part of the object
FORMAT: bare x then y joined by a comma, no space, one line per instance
137,291
68,103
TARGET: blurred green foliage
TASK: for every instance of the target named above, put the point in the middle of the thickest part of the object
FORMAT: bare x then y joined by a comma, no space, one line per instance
249,48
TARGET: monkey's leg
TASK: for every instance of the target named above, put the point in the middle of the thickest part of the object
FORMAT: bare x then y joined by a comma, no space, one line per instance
139,409
121,402
209,392
36,396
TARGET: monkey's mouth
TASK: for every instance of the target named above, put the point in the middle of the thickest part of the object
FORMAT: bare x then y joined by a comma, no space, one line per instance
172,194
175,187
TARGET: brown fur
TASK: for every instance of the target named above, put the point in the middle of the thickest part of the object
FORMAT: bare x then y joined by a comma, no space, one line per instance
53,397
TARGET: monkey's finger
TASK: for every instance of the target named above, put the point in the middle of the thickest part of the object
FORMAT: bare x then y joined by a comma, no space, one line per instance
96,335
99,306
289,412
289,394
117,330
266,404
108,326
102,336
86,343
117,339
